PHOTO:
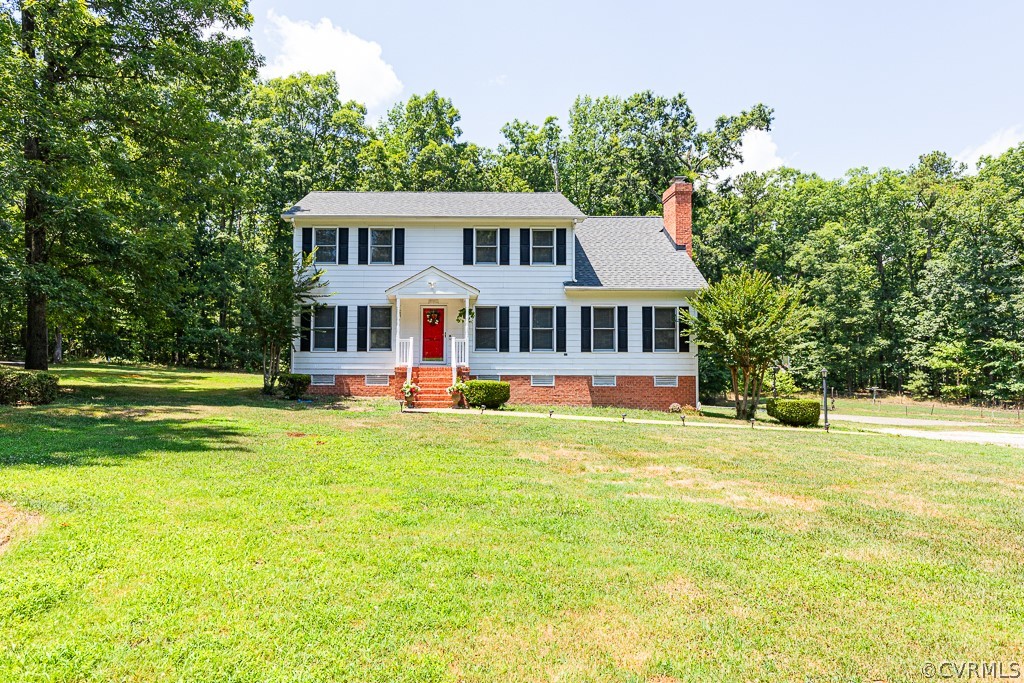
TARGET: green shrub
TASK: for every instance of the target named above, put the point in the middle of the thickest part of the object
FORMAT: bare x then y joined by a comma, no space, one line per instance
785,385
796,412
769,405
27,386
293,386
487,393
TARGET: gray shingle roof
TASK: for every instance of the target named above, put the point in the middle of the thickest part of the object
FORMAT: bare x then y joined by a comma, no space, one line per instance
436,205
632,252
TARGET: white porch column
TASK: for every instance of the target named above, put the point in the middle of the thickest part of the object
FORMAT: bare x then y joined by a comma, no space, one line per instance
398,329
466,326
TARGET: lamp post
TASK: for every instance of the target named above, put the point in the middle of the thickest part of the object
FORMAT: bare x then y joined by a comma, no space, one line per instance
824,394
775,372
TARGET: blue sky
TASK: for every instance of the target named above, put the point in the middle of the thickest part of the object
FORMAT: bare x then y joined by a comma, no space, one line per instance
853,84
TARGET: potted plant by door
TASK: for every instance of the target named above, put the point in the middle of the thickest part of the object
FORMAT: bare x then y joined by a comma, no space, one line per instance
458,393
410,390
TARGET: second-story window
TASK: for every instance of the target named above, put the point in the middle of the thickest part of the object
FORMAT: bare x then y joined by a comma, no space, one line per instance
326,245
486,246
381,245
543,247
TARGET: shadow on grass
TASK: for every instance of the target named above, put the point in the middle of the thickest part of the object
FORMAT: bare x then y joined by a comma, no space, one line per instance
52,439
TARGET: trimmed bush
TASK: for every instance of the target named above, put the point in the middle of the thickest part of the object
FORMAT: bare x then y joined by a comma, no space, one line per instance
293,386
487,393
795,412
27,386
769,406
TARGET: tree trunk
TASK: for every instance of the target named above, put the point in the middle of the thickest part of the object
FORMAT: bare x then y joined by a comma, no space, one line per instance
35,154
58,347
735,390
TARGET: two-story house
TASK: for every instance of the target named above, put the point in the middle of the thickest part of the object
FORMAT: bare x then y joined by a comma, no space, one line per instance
521,287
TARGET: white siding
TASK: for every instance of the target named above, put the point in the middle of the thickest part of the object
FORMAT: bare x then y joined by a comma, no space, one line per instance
513,285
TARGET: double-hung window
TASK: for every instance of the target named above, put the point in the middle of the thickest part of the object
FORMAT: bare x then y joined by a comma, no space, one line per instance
382,245
604,328
543,247
542,332
486,246
326,245
324,328
486,328
380,328
666,328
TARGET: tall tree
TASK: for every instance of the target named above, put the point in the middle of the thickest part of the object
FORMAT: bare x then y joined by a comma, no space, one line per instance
117,100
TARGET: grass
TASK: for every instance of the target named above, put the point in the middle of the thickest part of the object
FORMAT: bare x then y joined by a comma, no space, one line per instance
175,525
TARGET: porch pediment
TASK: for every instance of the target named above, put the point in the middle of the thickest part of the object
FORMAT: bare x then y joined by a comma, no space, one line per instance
432,283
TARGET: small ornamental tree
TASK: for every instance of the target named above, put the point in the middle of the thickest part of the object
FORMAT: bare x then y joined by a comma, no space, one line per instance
750,323
277,290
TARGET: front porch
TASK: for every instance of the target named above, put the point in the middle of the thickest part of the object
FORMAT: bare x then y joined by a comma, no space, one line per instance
432,325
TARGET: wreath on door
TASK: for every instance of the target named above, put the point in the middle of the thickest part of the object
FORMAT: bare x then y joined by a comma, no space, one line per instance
433,317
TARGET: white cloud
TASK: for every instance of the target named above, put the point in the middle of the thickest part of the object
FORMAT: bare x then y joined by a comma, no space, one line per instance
362,73
760,153
1001,141
498,80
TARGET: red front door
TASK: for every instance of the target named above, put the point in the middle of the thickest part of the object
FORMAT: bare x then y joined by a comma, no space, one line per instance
433,334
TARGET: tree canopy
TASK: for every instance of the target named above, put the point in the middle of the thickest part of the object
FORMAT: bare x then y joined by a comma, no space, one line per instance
144,166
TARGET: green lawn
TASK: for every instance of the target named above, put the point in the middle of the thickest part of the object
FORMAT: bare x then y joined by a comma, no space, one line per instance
175,525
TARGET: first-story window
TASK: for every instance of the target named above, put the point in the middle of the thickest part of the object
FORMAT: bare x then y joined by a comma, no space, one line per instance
543,328
326,245
324,328
666,328
381,245
486,246
380,328
543,247
604,328
486,328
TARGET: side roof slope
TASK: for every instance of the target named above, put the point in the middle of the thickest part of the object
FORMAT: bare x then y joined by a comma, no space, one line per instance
632,252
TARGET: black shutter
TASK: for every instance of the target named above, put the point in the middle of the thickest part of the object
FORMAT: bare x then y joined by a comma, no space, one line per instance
362,332
307,242
560,238
503,246
399,246
560,329
305,323
343,246
524,328
684,329
503,328
623,328
341,342
467,246
524,246
364,246
585,329
648,332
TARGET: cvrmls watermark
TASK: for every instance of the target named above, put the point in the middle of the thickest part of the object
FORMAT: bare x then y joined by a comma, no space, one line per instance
993,671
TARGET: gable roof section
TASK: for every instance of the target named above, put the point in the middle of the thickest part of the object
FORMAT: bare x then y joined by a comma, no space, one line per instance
434,205
631,252
444,285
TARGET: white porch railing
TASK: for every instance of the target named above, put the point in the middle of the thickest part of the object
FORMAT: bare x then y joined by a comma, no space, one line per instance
403,357
460,356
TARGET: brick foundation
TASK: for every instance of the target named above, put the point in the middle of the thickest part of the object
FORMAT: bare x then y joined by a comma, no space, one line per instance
569,390
628,392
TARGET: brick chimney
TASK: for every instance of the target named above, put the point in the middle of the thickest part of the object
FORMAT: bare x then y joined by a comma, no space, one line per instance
677,208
